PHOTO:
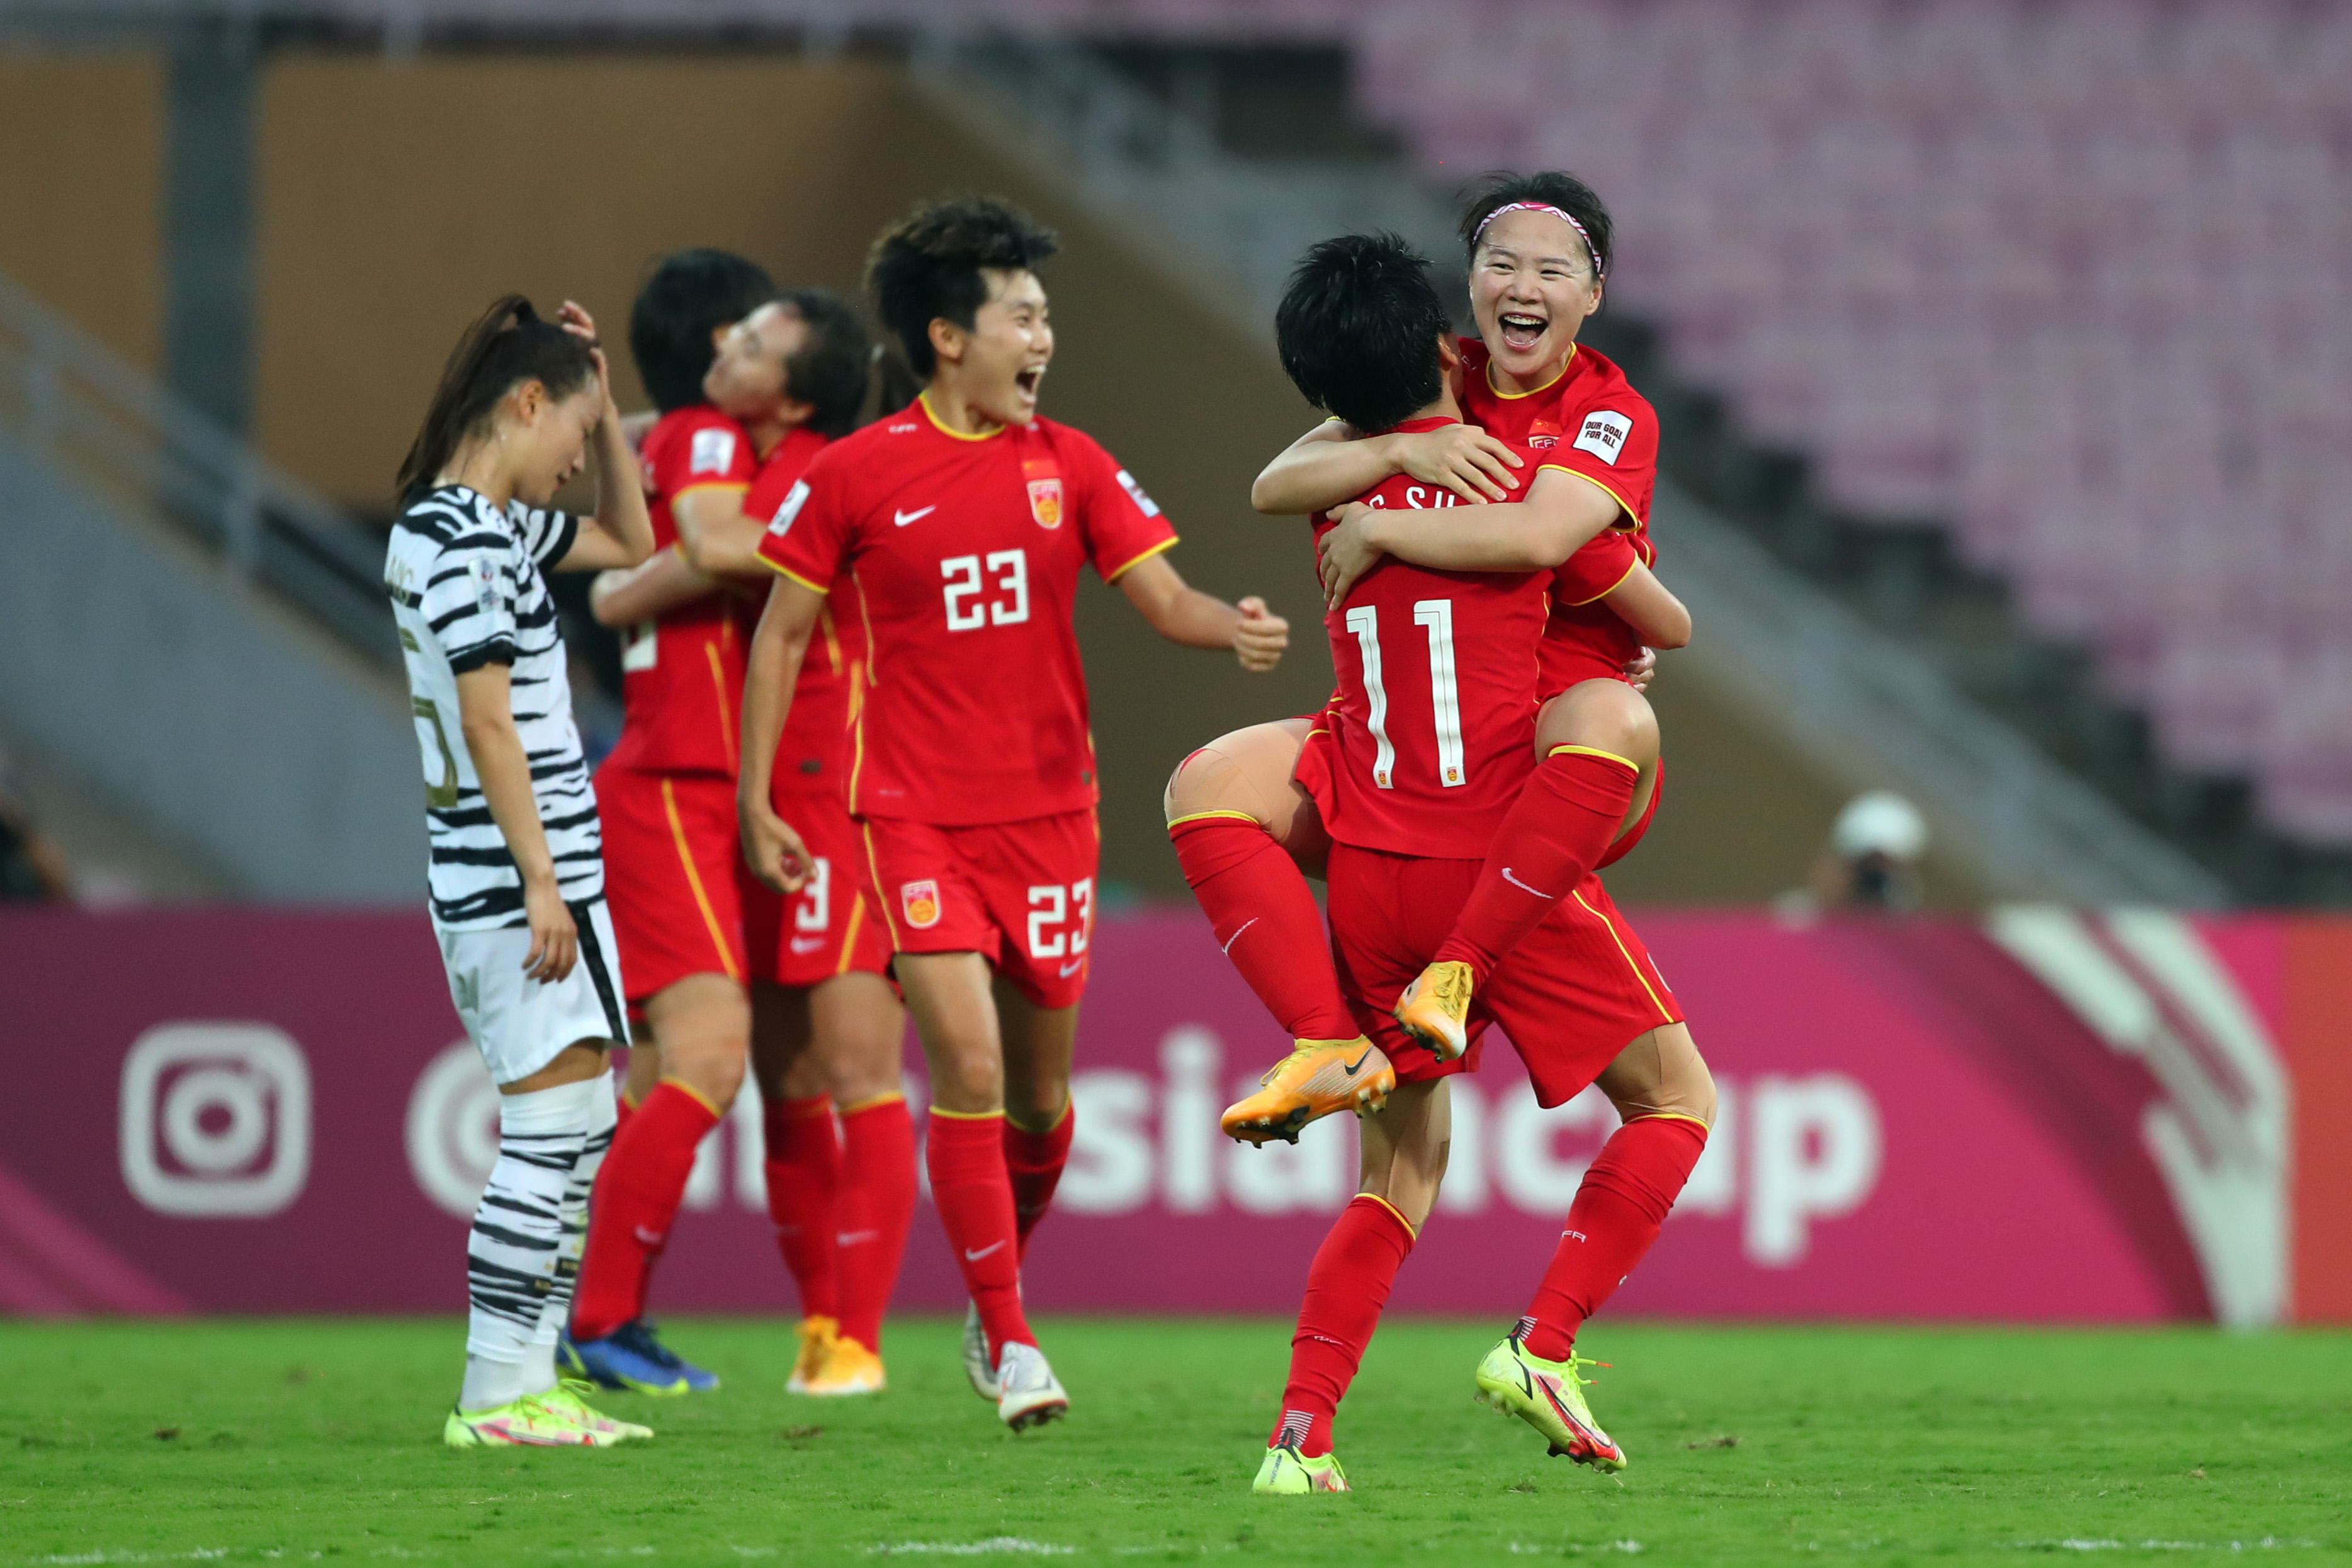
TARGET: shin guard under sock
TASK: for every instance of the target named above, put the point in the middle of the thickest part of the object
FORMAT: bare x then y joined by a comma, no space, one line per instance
1563,823
1033,1161
974,1197
1627,1193
635,1203
1263,914
804,1172
1347,1285
877,1205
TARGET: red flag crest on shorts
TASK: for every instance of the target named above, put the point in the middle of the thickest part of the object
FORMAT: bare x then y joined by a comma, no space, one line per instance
920,900
1044,492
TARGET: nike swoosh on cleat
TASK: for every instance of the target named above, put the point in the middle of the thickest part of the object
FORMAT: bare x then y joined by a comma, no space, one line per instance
971,1257
1523,887
1237,935
1352,1071
903,518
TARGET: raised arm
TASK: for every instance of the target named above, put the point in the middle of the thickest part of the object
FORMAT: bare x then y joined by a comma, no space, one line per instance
622,532
771,666
1186,616
624,598
1332,465
1562,512
1657,616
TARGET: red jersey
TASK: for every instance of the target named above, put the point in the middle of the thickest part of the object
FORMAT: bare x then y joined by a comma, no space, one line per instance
962,554
682,674
814,755
1589,422
1432,725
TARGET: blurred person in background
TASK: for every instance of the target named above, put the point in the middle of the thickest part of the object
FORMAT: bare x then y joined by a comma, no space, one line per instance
32,870
1871,863
961,524
515,865
802,979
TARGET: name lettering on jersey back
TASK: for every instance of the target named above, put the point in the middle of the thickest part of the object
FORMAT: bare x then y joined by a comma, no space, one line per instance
1419,499
1605,434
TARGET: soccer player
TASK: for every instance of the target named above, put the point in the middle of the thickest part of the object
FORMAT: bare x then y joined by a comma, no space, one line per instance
1427,752
786,378
961,523
1538,247
825,1024
516,874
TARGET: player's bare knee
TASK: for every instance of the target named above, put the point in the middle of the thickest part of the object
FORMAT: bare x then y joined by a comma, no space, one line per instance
1607,715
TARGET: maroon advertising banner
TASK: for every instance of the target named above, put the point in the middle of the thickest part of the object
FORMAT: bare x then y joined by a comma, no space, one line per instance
2043,1115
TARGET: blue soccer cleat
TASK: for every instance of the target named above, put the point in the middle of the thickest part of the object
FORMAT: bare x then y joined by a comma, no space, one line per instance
633,1358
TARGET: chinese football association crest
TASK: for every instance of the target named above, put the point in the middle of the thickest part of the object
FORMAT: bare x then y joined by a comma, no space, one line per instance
1044,492
920,901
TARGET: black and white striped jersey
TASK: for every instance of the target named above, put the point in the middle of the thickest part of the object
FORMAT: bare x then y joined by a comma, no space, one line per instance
467,590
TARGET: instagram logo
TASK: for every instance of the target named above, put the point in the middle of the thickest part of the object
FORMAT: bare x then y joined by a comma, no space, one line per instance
216,1119
452,1130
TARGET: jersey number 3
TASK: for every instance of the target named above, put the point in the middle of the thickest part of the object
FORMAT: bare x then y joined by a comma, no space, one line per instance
1436,615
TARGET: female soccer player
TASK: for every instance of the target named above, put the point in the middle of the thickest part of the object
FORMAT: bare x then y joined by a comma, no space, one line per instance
516,872
826,1025
787,377
1423,755
961,524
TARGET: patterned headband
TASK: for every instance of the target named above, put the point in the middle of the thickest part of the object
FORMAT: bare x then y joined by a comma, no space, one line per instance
1568,218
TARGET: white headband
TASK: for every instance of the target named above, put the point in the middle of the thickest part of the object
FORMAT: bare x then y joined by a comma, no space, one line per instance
1568,218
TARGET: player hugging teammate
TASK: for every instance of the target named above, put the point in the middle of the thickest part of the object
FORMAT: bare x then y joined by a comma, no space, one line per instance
516,874
958,528
751,384
1484,754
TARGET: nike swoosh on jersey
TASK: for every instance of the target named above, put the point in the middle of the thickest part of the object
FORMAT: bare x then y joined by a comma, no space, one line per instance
903,518
1523,887
971,1257
807,944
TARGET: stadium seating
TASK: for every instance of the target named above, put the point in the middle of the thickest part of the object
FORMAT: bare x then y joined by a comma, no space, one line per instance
2073,280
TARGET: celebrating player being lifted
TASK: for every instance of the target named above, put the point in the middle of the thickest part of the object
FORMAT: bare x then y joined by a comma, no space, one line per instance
517,871
961,524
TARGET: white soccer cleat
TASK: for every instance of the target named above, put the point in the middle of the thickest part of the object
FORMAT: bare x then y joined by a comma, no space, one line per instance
976,1364
1031,1395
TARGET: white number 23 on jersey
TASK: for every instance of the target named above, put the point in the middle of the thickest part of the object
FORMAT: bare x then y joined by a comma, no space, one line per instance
1002,574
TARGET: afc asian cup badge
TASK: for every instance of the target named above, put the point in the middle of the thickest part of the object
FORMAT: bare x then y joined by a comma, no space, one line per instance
920,900
1045,492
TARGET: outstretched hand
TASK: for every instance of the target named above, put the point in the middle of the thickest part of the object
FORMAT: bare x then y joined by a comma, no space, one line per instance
1262,636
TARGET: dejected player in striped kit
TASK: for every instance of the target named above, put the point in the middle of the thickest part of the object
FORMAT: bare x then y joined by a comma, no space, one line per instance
961,524
517,875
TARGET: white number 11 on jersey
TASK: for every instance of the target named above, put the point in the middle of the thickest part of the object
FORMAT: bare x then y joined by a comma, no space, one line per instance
1436,615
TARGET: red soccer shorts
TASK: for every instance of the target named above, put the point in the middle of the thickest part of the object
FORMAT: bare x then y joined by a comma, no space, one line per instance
677,883
1021,895
831,926
1576,992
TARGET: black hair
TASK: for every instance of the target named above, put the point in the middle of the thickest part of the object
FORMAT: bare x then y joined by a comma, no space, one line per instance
1358,329
684,298
1498,188
507,346
927,268
833,364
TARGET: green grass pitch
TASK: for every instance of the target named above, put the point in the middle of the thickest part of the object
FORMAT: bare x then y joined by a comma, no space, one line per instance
310,1440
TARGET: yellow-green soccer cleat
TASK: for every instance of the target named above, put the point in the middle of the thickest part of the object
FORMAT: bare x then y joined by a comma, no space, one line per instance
1289,1473
1435,1009
1550,1396
1319,1077
570,1396
528,1422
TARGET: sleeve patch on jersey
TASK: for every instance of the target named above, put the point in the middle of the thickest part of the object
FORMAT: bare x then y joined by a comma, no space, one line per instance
486,587
1143,502
713,452
1605,434
782,523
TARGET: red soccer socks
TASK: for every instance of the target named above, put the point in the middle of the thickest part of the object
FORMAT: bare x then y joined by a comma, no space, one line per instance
804,1170
635,1200
1264,916
1563,823
1624,1200
974,1197
1033,1161
1346,1288
878,1204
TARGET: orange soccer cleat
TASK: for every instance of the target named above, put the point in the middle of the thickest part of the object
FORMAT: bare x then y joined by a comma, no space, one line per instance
1319,1077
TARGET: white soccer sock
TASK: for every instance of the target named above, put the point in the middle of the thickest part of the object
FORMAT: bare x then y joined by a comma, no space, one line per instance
514,1254
538,1360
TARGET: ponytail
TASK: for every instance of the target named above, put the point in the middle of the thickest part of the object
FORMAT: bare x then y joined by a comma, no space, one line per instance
507,345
